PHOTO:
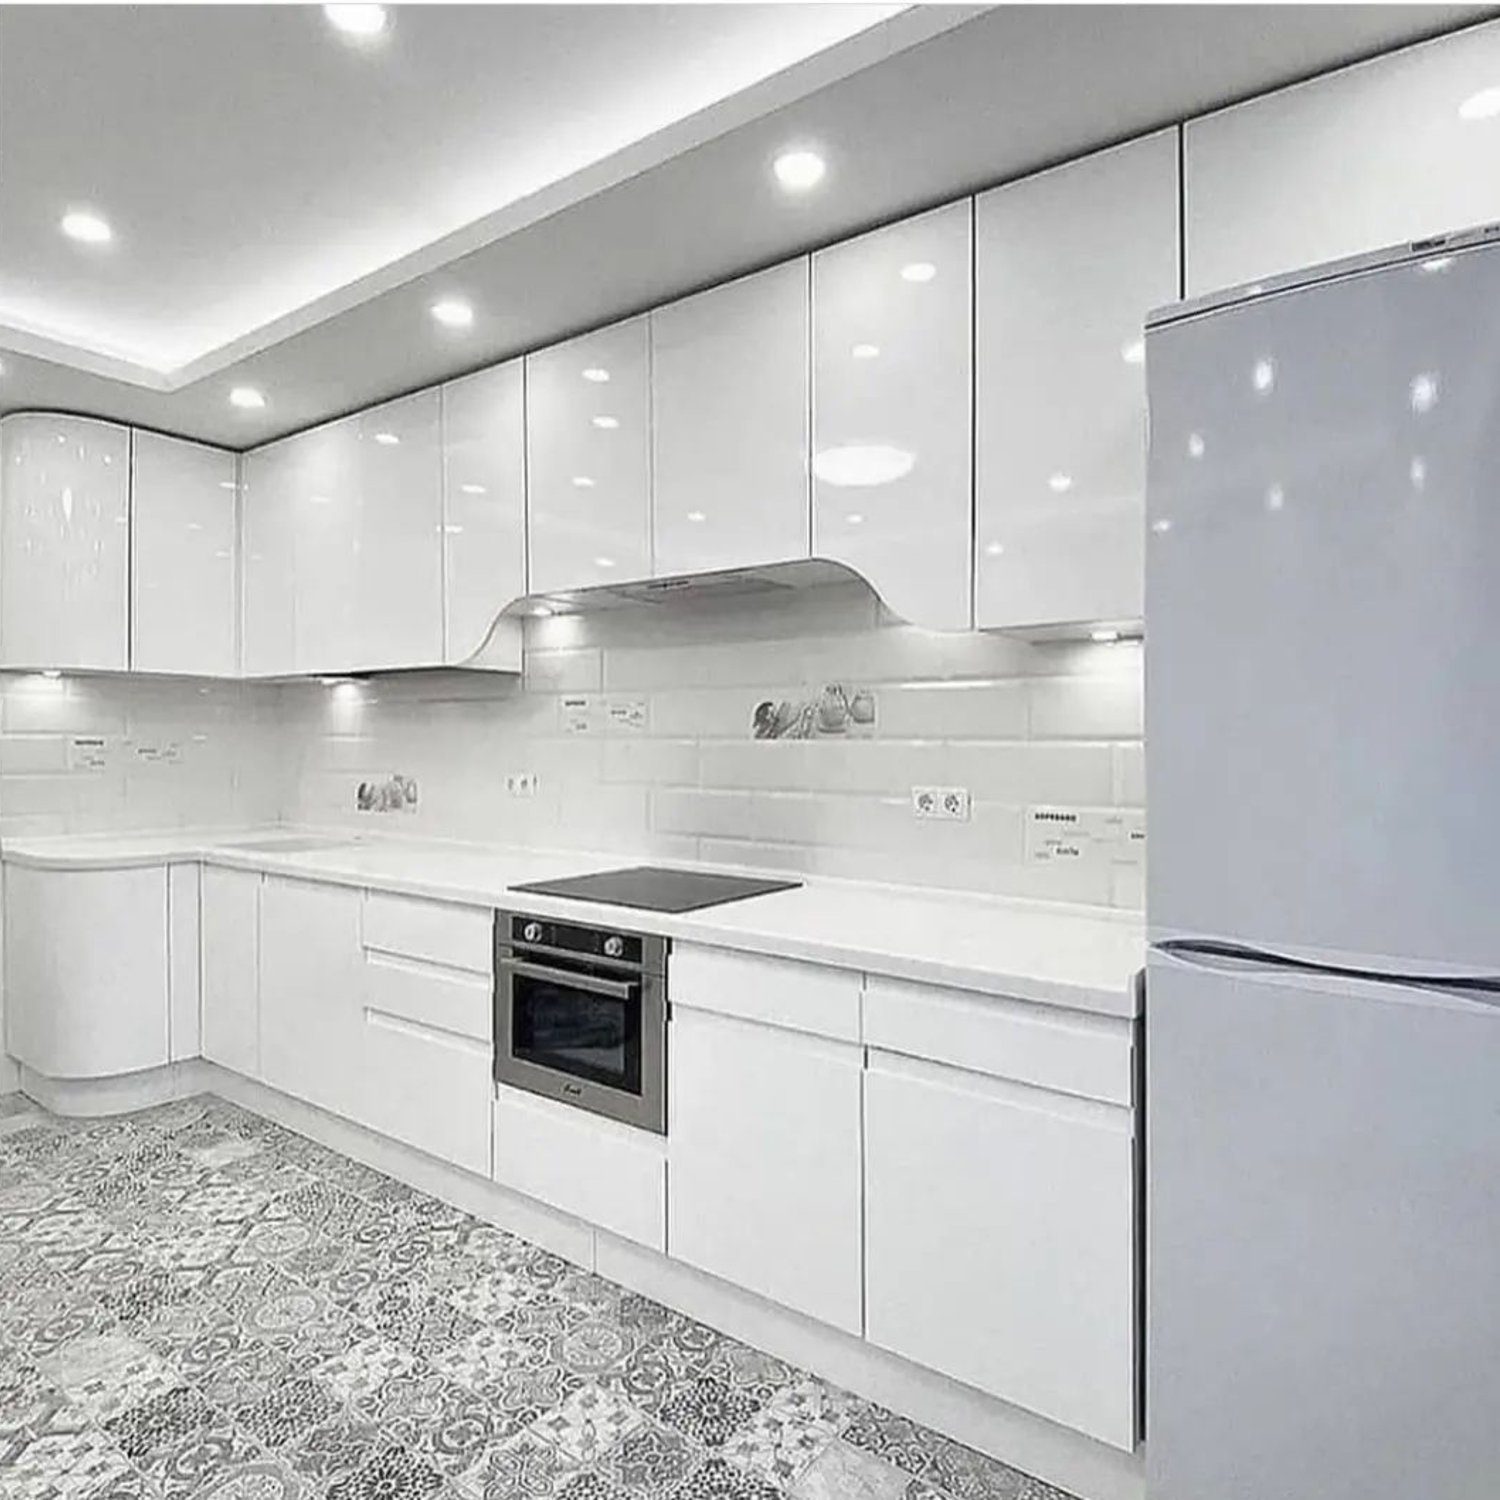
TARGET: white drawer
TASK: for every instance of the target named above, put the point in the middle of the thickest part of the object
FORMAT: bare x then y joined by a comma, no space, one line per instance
1042,1045
777,991
457,937
439,999
605,1173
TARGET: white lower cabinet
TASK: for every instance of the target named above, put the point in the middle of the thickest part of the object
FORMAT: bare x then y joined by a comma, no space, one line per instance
311,967
999,1240
764,1161
229,933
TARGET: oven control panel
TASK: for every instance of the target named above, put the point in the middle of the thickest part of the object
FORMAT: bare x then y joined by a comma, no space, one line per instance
569,937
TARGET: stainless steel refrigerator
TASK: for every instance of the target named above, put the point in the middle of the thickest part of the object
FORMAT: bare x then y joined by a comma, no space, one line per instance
1323,995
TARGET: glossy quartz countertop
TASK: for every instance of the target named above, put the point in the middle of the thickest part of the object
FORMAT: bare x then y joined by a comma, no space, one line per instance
1081,957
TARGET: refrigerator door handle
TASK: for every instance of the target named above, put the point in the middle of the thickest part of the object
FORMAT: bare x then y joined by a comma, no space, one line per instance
1237,958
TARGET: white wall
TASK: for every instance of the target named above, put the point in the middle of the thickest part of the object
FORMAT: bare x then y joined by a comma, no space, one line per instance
1015,723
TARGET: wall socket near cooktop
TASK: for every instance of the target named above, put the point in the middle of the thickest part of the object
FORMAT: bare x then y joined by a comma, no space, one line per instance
948,803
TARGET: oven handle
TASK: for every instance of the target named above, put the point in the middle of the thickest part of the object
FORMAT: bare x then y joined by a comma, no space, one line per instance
615,989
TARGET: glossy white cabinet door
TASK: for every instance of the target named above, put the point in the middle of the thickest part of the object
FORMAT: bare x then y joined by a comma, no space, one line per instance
588,408
763,1162
185,571
729,421
230,936
64,543
892,413
271,501
398,534
999,1240
311,993
1067,265
1353,161
484,503
86,964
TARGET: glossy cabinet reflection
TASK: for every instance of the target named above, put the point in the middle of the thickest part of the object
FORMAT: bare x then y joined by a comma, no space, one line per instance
892,401
184,581
484,504
1399,148
1067,265
730,424
271,500
64,543
588,406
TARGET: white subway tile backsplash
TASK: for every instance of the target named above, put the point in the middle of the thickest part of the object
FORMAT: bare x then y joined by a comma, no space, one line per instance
952,710
1105,708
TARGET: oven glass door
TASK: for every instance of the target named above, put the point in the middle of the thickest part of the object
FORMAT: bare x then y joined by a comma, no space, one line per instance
584,1025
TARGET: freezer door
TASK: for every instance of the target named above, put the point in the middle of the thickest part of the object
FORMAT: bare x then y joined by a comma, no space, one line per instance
1323,1216
1323,620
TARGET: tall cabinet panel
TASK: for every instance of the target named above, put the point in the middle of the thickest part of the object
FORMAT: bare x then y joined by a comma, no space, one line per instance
397,540
484,503
1067,265
1399,148
729,383
184,587
271,501
892,419
588,407
64,543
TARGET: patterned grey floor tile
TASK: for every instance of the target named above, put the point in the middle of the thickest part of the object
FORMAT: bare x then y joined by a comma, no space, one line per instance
589,1425
521,1468
841,1472
287,1413
651,1460
13,1104
714,1479
64,1466
593,1347
333,1448
259,1479
896,1439
393,1474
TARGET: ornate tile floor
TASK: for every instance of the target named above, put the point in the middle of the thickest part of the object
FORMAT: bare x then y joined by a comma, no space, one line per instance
197,1302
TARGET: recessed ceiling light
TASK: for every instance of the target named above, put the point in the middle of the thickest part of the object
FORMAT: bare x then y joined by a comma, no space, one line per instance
604,562
1060,484
1161,527
994,549
1424,392
51,673
607,423
919,270
452,313
797,171
473,489
854,518
1484,105
1134,353
1104,635
387,439
865,351
88,228
1195,445
1263,376
247,398
582,482
597,374
696,515
356,20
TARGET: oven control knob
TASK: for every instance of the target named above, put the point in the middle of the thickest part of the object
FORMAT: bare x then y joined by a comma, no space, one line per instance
614,947
532,932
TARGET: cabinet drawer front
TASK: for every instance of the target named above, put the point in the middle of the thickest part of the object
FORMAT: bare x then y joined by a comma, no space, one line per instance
999,1242
1040,1045
459,1004
427,1088
603,1172
777,991
457,937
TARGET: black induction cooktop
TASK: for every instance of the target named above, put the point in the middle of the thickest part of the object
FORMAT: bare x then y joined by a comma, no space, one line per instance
651,888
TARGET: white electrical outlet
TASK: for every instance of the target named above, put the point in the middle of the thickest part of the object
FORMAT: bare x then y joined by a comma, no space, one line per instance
521,783
946,803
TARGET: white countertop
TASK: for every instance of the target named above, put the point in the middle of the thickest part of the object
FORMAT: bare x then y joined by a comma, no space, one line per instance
1081,957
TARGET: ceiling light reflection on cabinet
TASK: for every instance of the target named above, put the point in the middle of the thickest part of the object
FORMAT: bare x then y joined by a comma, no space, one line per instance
473,489
994,549
607,423
854,518
604,562
1263,376
1437,263
247,398
387,439
362,21
1104,635
597,374
865,351
1060,484
797,171
1134,353
696,516
862,465
582,482
85,227
919,271
452,313
1484,105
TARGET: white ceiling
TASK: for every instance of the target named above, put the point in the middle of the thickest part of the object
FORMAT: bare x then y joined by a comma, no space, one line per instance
287,206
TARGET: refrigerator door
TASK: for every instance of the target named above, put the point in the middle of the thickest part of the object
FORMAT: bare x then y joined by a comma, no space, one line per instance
1323,1216
1323,613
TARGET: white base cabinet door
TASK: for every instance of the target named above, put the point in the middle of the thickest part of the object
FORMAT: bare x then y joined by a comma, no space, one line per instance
763,1162
230,938
311,968
999,1243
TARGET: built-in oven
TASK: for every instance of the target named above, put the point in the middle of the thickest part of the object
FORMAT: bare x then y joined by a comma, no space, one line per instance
581,1017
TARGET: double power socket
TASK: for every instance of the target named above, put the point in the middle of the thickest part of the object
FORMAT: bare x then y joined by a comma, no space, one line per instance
947,803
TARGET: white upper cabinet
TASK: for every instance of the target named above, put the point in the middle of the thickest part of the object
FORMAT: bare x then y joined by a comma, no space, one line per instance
1400,148
1067,265
271,499
397,535
185,576
484,503
892,413
588,409
729,383
64,543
